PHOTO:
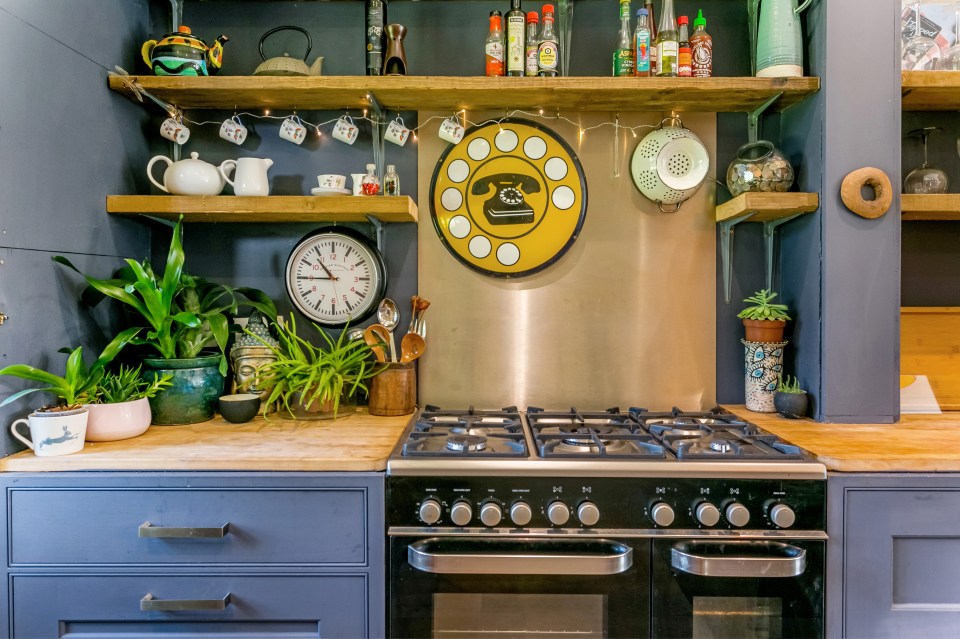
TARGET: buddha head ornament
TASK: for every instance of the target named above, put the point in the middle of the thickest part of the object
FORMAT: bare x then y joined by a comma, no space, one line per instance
249,353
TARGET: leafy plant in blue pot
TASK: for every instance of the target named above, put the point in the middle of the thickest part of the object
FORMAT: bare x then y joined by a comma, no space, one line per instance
185,316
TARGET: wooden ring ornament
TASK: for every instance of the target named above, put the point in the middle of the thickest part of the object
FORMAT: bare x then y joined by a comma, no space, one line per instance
850,192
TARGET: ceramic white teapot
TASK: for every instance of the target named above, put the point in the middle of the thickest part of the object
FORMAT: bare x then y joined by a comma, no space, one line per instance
187,177
251,177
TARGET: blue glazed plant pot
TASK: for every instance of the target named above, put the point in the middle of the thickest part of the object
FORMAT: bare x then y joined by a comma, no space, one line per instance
791,405
196,387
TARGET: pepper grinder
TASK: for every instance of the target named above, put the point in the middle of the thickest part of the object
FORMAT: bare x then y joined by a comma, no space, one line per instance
395,62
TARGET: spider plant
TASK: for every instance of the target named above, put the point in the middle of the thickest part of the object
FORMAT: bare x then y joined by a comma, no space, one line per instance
127,385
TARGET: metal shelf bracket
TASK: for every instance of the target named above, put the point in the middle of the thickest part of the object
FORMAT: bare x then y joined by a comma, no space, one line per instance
769,232
378,129
753,117
377,231
726,251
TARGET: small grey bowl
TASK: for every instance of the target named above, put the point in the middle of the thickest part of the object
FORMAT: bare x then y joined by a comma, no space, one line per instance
239,408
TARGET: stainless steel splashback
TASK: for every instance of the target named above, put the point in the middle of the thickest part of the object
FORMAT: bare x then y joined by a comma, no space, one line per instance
626,317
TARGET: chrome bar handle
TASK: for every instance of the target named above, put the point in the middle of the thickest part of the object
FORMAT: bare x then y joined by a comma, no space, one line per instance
792,563
149,530
521,563
149,602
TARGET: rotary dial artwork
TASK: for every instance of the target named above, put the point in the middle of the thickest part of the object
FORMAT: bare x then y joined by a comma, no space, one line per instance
335,276
509,199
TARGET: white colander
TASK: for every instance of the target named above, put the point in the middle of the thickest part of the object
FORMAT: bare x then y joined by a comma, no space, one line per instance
669,164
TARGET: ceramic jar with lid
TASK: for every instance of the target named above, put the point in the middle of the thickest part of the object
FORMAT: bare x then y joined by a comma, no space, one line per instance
759,166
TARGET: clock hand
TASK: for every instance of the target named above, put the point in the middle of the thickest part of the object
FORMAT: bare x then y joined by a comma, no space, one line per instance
314,277
324,267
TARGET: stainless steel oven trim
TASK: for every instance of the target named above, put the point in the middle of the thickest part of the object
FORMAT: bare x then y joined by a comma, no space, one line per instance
783,561
553,561
533,467
614,533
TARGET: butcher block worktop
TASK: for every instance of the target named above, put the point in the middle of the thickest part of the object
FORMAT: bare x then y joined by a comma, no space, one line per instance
360,442
917,443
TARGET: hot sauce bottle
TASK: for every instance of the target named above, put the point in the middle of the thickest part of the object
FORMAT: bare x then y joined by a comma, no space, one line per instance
701,45
684,55
494,45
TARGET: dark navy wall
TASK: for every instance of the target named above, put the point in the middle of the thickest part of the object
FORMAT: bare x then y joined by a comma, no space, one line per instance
65,142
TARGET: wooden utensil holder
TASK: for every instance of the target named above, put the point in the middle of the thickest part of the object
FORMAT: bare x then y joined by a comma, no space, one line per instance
394,391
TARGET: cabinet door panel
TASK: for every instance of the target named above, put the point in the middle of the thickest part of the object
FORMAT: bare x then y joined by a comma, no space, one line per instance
901,561
102,527
265,606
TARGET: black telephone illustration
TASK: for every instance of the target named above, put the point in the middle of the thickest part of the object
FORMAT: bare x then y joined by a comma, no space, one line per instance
507,205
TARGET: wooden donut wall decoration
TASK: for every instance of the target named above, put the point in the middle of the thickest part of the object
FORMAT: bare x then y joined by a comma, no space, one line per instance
852,195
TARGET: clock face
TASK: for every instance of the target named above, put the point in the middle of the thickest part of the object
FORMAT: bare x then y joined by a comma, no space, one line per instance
335,277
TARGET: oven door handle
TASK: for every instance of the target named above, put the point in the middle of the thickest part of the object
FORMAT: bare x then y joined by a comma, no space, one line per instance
558,558
764,559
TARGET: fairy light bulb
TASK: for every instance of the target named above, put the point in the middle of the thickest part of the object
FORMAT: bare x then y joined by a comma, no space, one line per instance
541,111
266,112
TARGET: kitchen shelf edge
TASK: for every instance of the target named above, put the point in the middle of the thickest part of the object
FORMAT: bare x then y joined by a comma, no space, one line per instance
767,206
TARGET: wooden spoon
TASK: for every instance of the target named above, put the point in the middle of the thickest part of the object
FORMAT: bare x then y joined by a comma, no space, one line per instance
412,346
375,336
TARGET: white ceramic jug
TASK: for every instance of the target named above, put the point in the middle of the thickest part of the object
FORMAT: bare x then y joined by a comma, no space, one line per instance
251,175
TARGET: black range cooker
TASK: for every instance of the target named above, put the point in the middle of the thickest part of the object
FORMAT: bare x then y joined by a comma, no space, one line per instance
608,523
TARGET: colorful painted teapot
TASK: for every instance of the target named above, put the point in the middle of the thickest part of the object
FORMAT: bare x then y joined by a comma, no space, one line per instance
183,53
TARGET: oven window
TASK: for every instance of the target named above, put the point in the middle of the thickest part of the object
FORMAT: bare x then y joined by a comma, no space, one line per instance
518,616
737,618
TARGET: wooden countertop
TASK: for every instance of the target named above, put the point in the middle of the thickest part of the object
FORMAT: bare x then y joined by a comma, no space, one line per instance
360,442
917,443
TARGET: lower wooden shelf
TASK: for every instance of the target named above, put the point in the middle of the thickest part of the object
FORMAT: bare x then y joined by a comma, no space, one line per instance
271,208
766,207
944,206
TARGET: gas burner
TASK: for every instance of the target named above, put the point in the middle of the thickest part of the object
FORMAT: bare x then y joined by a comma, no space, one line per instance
600,434
466,443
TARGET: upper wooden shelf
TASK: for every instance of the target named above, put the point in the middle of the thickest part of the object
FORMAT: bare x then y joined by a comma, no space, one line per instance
767,207
428,93
272,208
945,206
930,90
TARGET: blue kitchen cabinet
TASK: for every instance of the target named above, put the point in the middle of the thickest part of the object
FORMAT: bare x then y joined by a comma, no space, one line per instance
893,566
195,554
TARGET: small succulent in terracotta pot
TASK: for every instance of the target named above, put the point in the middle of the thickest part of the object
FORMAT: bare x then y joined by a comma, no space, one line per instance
790,400
763,320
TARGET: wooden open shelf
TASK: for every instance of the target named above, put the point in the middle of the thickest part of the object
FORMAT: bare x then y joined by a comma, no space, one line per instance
430,93
930,207
930,90
272,208
768,206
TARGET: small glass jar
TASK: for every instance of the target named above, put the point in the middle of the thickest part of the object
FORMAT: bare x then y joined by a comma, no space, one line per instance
759,166
370,184
391,182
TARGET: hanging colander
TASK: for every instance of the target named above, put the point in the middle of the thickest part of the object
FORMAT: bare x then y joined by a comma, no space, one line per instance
669,164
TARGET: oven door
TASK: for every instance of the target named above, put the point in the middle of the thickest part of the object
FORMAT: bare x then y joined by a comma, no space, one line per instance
529,587
740,589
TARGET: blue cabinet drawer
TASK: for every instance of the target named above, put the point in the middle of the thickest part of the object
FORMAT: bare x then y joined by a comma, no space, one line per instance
313,527
243,606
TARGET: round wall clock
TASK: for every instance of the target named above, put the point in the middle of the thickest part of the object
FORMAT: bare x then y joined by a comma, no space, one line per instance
335,275
510,199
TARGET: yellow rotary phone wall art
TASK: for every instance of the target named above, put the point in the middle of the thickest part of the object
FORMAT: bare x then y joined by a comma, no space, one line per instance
510,199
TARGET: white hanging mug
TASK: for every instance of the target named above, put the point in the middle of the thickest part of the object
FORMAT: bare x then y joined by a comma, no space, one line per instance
251,175
397,132
54,433
345,130
293,130
232,130
451,131
175,130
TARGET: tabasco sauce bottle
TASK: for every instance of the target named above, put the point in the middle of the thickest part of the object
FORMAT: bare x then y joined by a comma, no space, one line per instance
494,45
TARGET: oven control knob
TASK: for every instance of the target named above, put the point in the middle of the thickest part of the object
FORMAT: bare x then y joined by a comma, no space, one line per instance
521,514
558,513
737,514
708,514
430,511
491,514
461,513
588,513
662,514
783,515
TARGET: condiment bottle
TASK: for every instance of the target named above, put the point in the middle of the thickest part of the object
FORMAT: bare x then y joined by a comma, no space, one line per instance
370,184
701,45
667,42
623,55
684,70
376,18
531,44
516,38
391,181
548,46
494,46
641,43
652,21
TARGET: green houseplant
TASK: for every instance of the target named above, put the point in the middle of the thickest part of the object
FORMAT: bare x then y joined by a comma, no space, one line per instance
311,382
119,407
763,320
183,315
790,400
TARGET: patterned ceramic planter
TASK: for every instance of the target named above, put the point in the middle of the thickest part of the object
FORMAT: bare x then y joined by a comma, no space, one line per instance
764,363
